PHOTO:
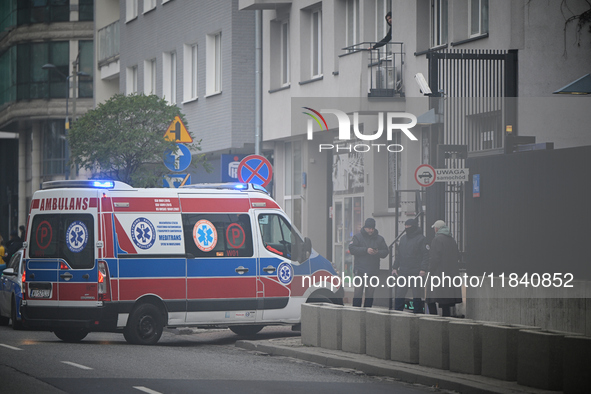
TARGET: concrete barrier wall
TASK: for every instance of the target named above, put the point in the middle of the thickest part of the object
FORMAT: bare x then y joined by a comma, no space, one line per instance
540,359
377,334
434,343
577,364
544,359
499,350
331,326
353,330
465,346
404,337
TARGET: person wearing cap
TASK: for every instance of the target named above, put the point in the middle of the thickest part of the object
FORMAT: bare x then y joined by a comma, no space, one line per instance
444,258
368,247
412,260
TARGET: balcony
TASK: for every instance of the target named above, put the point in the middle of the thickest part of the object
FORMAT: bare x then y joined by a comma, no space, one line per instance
108,50
385,74
261,4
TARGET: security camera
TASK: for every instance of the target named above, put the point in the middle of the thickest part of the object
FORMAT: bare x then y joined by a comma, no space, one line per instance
423,85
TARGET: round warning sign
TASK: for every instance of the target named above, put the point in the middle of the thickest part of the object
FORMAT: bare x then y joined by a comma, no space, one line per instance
255,169
285,273
77,236
43,235
425,175
205,235
143,233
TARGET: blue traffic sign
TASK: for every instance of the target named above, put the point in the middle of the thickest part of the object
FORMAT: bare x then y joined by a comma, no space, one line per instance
173,181
179,160
255,169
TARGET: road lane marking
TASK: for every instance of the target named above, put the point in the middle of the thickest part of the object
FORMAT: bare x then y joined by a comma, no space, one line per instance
76,365
10,347
146,390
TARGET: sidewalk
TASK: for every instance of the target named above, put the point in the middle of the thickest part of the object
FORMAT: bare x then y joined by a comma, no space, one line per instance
411,373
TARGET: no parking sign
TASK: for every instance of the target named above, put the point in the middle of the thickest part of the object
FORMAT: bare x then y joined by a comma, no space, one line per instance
255,169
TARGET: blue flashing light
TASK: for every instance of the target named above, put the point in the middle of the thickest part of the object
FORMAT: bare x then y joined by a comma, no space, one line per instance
241,186
104,184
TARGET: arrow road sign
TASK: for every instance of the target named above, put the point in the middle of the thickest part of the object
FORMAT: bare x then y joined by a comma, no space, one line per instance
179,160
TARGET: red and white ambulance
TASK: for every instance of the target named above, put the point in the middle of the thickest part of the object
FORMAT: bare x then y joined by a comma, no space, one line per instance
104,256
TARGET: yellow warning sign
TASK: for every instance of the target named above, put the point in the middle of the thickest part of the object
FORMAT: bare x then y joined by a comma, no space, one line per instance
177,132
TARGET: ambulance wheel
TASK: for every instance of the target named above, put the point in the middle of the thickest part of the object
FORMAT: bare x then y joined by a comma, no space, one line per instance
246,331
145,325
318,298
70,335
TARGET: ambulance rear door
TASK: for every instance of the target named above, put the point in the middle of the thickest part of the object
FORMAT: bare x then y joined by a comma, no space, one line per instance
61,268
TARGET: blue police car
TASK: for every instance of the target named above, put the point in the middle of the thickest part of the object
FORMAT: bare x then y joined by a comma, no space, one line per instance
11,284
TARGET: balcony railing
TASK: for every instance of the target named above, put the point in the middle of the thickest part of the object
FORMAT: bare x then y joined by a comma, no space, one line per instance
108,38
386,78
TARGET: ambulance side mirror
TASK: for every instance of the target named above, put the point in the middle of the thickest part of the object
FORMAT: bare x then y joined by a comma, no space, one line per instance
304,249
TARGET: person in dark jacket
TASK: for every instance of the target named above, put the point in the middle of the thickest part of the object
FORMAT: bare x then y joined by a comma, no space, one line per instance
444,259
388,37
412,261
13,245
368,247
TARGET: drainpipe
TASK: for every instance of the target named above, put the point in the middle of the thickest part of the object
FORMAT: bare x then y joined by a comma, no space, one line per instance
258,98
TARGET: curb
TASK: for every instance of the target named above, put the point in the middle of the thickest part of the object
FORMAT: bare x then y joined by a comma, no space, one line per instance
410,373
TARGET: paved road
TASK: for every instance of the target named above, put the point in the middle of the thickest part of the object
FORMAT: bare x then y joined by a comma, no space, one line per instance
184,361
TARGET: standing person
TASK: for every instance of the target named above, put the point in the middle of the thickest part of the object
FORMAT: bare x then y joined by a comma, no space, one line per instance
412,261
22,230
388,37
14,244
2,252
368,247
444,260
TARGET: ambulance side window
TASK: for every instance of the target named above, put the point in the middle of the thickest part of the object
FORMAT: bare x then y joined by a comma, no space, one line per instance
68,236
277,235
218,235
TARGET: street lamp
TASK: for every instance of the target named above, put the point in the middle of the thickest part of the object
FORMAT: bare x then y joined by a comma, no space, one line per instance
50,66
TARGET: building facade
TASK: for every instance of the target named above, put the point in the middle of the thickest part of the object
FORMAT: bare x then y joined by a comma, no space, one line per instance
490,67
198,56
46,67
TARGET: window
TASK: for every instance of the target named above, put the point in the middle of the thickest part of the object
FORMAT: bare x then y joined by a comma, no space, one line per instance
150,77
316,45
66,236
190,72
42,11
131,81
352,22
382,8
149,5
213,70
218,235
478,17
130,10
32,81
86,50
285,46
438,22
169,77
293,182
86,10
279,237
54,147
